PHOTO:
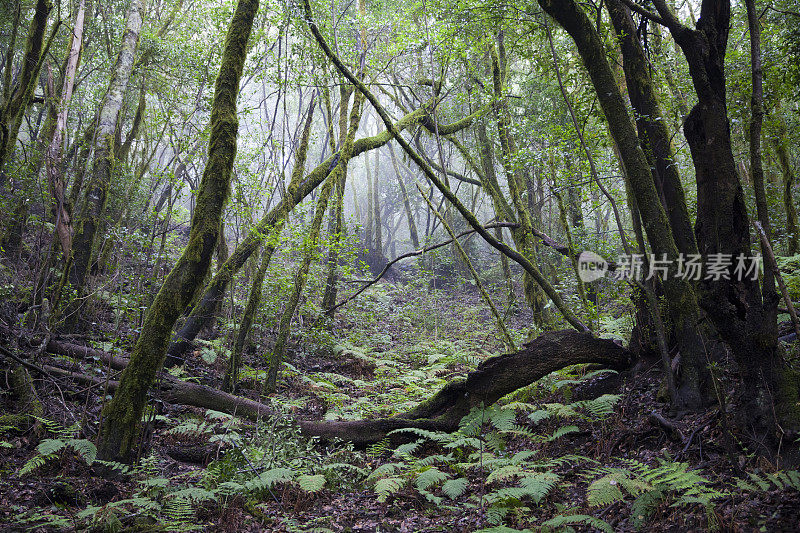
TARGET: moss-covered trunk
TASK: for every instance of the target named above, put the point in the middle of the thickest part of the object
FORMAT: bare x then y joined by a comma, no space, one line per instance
493,379
735,306
89,219
792,229
517,179
683,307
18,98
122,415
652,127
336,226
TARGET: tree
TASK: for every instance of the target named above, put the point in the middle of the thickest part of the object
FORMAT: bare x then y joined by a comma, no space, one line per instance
122,415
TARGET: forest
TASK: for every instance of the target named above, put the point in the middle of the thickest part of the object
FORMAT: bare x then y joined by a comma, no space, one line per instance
375,265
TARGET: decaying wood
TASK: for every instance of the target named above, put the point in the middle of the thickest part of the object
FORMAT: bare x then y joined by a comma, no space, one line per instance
493,379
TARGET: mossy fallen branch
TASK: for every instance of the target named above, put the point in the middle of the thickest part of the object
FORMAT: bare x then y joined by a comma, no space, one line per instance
493,379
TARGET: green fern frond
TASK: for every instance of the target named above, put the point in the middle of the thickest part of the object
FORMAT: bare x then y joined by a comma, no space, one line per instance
539,484
560,432
430,476
504,473
85,448
643,507
436,436
50,446
560,521
384,470
407,449
34,463
270,478
453,488
604,491
311,483
388,486
193,494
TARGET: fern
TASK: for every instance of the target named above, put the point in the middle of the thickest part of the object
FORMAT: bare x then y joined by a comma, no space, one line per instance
651,486
560,432
560,521
453,488
178,515
269,478
310,483
428,477
388,486
539,484
780,480
193,494
608,489
48,450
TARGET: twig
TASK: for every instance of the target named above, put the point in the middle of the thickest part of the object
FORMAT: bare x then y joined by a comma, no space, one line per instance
770,256
667,425
415,253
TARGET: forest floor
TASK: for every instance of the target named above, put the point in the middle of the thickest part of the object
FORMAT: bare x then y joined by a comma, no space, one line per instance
581,448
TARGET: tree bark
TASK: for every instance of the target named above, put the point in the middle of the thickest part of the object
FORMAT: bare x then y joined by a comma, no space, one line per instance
94,203
650,122
493,379
746,322
63,226
19,98
122,415
683,309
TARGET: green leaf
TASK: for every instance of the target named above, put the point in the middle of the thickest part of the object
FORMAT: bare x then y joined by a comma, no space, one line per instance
454,488
388,486
311,484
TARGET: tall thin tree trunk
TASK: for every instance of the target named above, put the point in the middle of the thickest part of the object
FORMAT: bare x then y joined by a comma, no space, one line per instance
231,380
310,245
122,415
94,204
18,99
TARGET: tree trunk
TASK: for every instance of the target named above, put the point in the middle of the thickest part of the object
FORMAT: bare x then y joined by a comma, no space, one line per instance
63,226
788,199
747,324
337,210
18,99
412,226
310,246
94,203
122,415
653,129
683,309
493,379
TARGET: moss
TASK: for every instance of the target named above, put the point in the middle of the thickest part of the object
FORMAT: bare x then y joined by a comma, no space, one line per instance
787,400
121,416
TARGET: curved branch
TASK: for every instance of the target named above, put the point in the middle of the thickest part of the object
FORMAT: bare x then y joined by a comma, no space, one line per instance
446,192
415,253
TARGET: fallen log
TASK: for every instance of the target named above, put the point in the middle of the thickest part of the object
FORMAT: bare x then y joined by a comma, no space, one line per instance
493,379
173,390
